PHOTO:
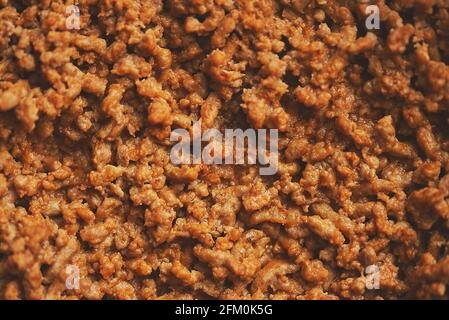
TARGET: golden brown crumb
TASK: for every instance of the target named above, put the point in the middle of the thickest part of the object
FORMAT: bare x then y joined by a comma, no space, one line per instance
86,180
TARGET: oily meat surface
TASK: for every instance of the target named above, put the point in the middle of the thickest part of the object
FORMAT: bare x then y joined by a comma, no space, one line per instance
86,179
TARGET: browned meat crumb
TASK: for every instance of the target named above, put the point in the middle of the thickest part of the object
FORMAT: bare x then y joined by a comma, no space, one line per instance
86,179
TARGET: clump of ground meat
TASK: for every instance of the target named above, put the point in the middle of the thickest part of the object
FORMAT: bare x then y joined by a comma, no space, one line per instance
86,179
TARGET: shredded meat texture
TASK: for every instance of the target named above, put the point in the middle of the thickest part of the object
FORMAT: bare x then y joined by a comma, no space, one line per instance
86,180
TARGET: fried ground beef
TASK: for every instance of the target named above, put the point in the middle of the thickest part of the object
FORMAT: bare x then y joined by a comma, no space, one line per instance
86,179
